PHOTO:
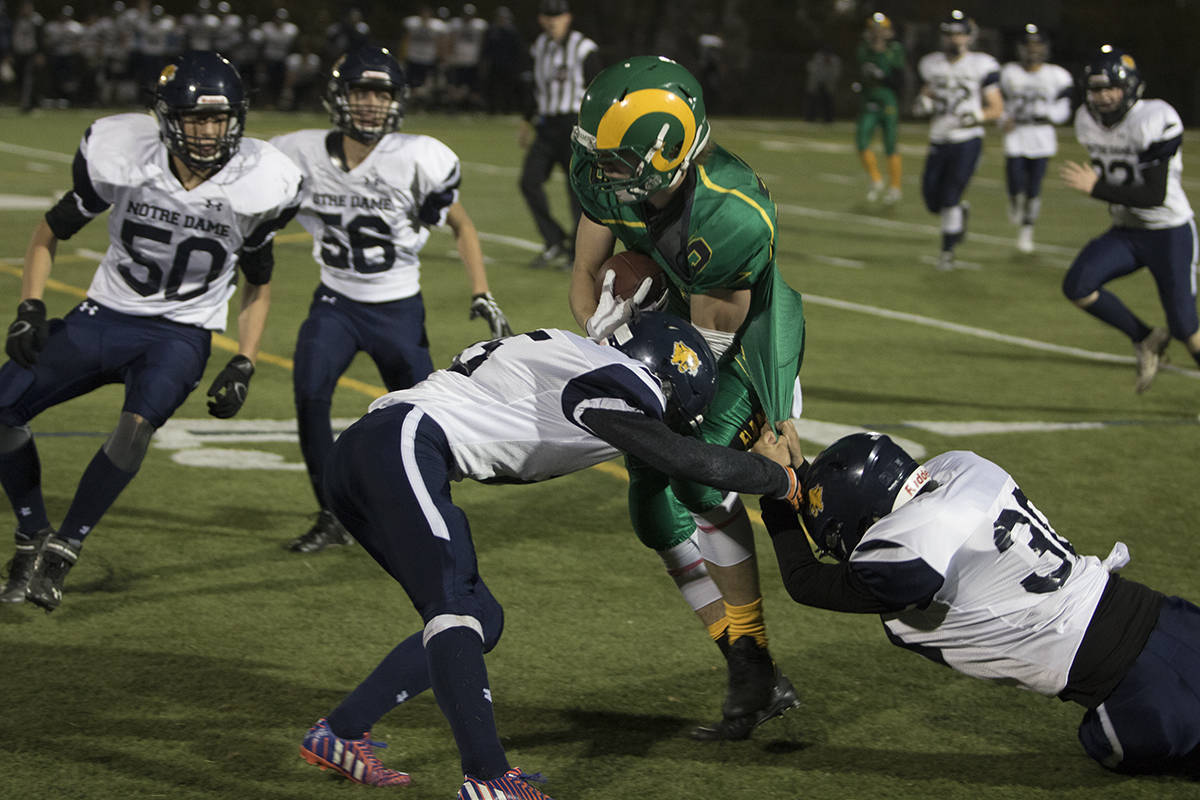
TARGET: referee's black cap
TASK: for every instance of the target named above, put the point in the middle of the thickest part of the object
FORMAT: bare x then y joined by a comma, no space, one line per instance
552,8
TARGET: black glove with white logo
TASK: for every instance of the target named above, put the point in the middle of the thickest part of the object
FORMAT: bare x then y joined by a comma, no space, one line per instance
27,336
484,305
229,389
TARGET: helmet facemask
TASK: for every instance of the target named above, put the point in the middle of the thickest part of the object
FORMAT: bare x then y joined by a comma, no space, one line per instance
201,111
359,115
1113,70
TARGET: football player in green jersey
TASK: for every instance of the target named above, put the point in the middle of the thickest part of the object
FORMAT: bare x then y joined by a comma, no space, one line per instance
881,64
647,175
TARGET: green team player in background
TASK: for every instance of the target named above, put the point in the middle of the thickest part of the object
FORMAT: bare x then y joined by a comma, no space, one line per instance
647,174
881,64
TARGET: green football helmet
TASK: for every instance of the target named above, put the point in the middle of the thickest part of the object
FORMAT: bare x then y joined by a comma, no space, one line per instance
641,123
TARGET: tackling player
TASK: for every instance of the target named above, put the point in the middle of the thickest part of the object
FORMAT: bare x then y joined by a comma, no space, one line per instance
192,201
1137,162
1037,96
881,63
520,409
647,174
371,197
967,572
960,91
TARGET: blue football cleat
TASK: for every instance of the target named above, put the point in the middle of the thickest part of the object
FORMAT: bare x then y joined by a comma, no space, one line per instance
512,785
354,759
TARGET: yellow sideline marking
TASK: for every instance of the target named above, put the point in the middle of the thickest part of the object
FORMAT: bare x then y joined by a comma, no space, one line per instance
225,343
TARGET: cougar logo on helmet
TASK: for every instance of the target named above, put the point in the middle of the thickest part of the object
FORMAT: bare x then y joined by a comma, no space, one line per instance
684,359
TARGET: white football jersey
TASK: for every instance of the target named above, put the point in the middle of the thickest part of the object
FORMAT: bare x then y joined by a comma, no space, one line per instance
1016,598
369,224
957,88
1044,93
1117,151
172,252
510,407
424,38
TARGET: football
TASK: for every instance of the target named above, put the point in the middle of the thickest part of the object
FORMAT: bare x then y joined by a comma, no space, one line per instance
631,269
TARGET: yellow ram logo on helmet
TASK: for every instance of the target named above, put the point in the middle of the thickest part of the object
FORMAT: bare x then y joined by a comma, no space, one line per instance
622,115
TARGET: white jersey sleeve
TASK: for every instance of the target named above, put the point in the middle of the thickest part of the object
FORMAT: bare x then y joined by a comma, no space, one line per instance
369,223
957,89
172,252
1035,101
1015,598
1150,132
511,407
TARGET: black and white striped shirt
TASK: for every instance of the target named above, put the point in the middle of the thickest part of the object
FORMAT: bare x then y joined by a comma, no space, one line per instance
558,72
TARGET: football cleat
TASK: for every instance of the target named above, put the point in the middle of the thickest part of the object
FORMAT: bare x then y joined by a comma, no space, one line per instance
783,699
325,532
1150,352
875,193
945,262
55,560
556,255
20,569
1025,239
512,785
892,196
353,759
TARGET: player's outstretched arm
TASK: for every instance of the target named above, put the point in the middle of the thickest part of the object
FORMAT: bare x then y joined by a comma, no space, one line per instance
228,391
27,334
466,238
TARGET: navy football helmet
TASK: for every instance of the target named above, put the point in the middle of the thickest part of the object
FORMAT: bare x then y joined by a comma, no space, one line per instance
366,67
1112,67
679,357
1032,47
200,83
850,485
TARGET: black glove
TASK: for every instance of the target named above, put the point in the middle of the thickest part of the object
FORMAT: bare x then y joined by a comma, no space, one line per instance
27,336
484,305
229,389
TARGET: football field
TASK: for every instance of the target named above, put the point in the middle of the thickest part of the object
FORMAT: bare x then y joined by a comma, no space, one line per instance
192,650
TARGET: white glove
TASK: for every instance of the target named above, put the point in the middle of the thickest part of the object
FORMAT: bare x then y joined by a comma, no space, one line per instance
612,312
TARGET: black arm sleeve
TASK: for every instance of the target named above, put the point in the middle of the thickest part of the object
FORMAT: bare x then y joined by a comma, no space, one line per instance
1152,191
257,265
679,456
830,586
78,206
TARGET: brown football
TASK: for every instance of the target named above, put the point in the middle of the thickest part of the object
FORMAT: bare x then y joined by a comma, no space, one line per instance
631,269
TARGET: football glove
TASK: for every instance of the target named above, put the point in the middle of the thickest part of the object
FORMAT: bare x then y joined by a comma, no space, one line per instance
612,312
484,305
27,335
968,119
229,389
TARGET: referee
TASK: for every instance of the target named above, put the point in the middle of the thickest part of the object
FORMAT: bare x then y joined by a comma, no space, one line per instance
564,61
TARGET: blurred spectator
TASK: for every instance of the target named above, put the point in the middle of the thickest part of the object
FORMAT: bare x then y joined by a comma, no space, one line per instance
7,74
501,63
464,52
423,47
26,54
278,38
824,69
349,33
200,27
303,78
61,39
710,73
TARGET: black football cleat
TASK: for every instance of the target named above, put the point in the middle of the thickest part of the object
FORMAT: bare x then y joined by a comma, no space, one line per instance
53,563
757,692
325,532
20,569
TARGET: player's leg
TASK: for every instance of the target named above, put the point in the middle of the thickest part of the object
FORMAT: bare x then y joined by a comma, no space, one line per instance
68,366
1016,182
393,335
1151,721
389,480
1103,259
962,159
160,363
325,346
1035,172
1171,255
535,171
890,123
864,129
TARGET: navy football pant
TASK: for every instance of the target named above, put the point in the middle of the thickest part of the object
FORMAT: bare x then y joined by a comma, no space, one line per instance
948,170
337,328
1151,721
388,482
1024,175
1169,253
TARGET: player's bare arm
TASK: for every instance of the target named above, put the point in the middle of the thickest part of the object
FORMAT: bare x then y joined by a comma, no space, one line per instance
466,239
252,319
993,104
39,259
593,245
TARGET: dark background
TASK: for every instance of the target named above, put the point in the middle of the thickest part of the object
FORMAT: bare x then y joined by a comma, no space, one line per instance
768,42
